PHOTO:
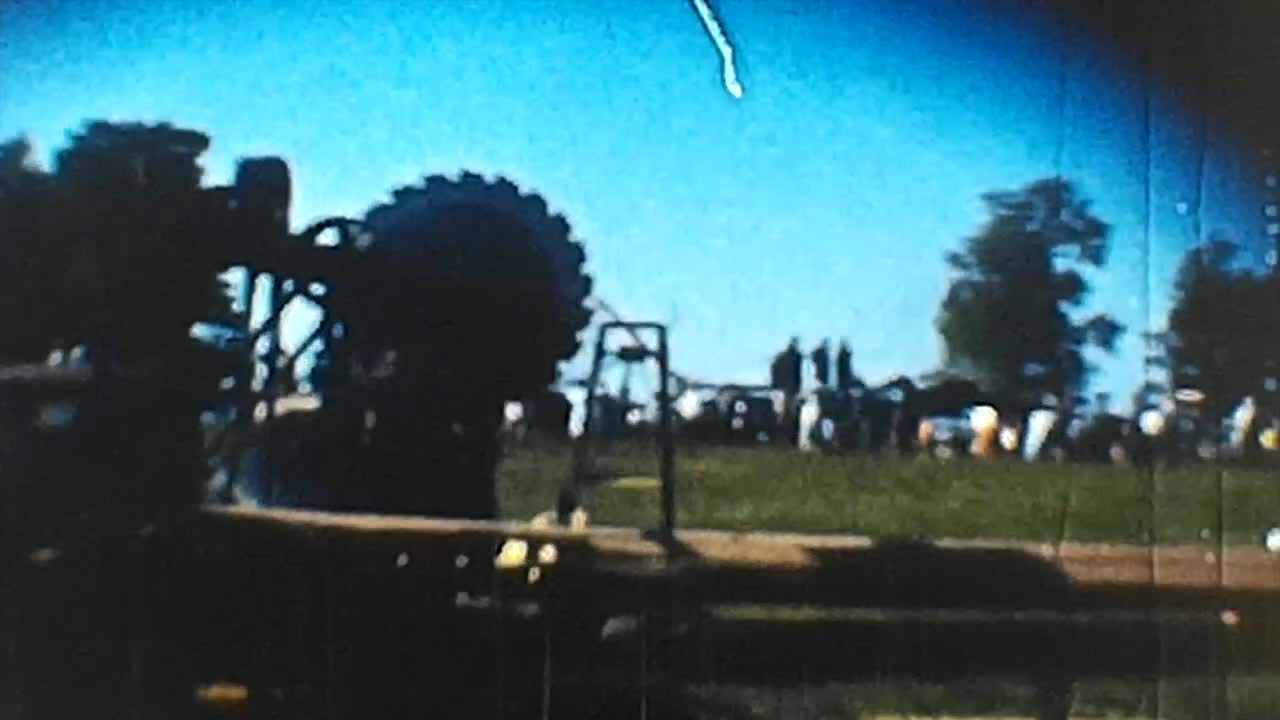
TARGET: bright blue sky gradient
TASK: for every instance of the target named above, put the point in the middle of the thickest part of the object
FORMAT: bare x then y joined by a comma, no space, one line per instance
819,205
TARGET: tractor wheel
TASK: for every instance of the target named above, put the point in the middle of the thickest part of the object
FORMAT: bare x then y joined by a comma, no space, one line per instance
481,293
490,287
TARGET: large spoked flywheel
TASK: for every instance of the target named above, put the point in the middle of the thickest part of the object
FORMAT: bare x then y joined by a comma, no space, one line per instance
485,285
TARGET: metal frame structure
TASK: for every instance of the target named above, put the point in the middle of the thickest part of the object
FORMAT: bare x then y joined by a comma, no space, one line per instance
293,264
633,354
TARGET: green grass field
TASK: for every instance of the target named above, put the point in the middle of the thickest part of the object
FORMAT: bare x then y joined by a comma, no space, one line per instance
785,490
1243,698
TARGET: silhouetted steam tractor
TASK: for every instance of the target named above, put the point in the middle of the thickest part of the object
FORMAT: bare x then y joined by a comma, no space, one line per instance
434,309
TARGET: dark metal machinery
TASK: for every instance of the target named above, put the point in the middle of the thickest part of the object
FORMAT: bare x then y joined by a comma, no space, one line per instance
242,225
633,354
254,235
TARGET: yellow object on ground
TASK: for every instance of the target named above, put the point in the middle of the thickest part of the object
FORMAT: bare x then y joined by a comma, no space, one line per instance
1269,439
547,554
222,693
985,421
924,434
984,443
512,555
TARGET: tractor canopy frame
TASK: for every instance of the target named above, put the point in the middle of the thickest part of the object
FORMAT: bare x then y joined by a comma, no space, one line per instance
638,352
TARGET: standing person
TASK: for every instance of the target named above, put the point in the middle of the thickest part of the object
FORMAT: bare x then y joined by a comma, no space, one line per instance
821,357
844,367
848,430
790,361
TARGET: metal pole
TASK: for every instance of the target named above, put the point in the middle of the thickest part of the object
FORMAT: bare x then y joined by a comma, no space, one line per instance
291,360
243,390
667,471
248,285
275,300
580,445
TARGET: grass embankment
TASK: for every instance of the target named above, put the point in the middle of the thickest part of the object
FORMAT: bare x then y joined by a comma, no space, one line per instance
1244,698
780,489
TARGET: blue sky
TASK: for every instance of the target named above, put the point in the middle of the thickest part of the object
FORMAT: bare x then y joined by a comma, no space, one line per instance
818,205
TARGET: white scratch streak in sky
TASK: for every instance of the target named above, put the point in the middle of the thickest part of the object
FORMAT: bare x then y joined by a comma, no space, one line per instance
713,28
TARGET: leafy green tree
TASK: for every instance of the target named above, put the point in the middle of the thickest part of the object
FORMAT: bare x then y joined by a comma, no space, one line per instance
1149,394
1220,338
1010,319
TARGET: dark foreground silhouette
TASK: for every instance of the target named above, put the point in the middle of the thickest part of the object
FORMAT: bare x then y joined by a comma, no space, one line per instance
318,623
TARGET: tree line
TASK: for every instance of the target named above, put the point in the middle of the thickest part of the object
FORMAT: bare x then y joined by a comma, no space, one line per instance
1014,322
1013,318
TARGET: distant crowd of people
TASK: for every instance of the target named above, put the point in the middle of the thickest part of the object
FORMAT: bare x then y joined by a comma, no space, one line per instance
787,371
953,418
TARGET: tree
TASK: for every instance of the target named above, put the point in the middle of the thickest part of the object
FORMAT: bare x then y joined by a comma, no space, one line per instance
1219,339
1148,394
1010,318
